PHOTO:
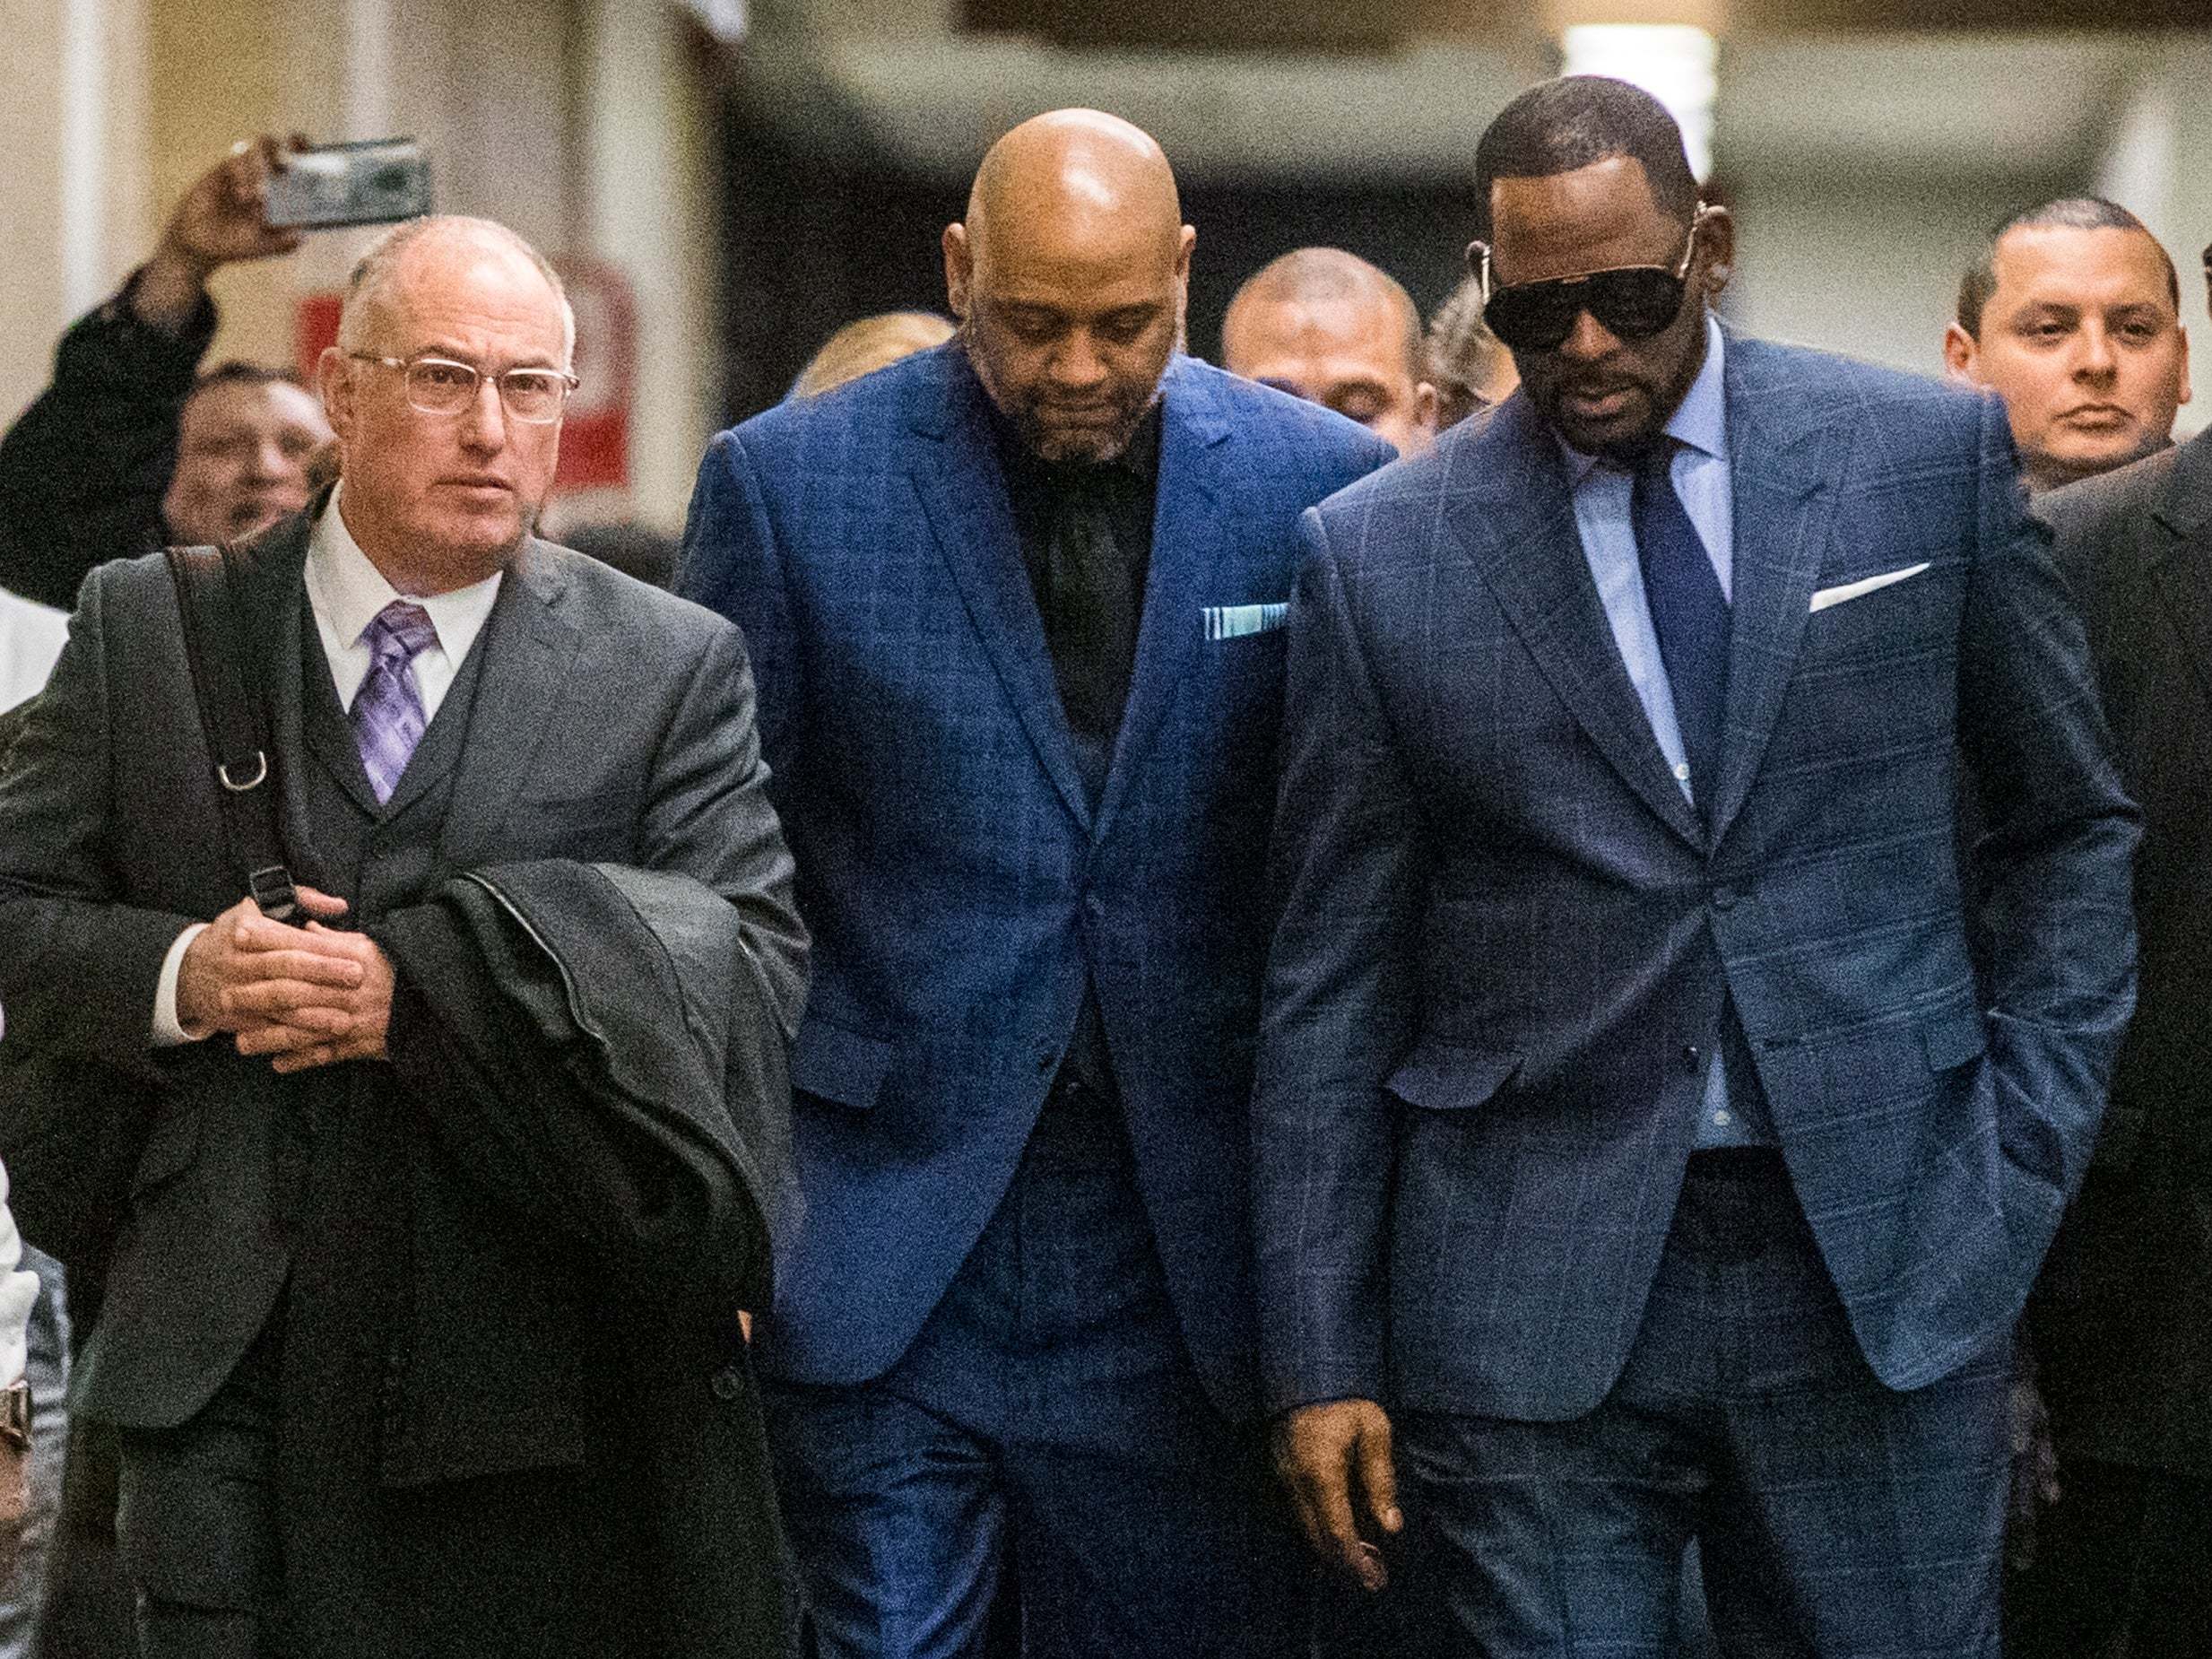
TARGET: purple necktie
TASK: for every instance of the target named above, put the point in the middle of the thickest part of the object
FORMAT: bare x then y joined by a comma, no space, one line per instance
388,710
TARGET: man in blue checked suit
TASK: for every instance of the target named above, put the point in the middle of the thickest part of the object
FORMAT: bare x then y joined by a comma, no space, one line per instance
1017,609
1638,1159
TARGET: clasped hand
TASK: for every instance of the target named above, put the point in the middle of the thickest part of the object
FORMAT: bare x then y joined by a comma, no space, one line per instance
305,996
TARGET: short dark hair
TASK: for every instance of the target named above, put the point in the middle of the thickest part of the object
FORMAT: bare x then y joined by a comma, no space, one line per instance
2069,212
237,371
1577,121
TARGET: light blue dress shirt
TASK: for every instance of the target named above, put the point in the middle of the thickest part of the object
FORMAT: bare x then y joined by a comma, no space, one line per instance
1704,481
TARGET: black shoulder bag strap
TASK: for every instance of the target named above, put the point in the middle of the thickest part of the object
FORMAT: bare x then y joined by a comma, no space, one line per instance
236,721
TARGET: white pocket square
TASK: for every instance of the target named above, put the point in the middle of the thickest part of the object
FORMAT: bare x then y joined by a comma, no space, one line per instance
1234,621
1864,585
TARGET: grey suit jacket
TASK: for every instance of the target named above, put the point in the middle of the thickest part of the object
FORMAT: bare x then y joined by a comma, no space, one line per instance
612,722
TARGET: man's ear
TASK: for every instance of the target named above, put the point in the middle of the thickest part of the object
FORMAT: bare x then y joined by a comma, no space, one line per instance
2182,367
1425,403
1718,232
959,268
333,380
1961,355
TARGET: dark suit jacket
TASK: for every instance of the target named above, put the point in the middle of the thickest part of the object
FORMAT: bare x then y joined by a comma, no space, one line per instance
2123,1320
1507,942
608,722
958,884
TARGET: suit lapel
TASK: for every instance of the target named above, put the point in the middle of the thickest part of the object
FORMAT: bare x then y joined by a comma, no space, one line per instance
526,648
1186,536
956,472
1517,528
2182,552
1784,463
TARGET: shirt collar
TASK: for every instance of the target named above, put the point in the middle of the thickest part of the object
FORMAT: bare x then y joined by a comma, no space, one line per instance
348,590
1699,421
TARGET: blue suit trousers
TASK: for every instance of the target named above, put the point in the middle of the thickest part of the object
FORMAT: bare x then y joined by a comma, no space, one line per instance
1046,1424
1837,1518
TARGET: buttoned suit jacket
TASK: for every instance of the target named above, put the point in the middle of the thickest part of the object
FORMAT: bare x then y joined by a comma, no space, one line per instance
959,885
2123,1318
608,722
1508,944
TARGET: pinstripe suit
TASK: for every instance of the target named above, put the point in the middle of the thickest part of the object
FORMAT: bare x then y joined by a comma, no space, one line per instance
1508,945
964,891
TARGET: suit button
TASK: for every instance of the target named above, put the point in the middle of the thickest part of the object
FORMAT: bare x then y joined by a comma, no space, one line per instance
1724,896
1094,907
1690,1056
727,1383
1046,1063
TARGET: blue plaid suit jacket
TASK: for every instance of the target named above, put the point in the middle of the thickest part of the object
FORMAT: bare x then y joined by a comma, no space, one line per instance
1506,940
957,883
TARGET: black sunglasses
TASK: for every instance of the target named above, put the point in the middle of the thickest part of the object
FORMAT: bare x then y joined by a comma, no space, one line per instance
1633,301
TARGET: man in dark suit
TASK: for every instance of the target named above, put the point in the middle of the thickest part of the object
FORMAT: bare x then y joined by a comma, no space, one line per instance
2121,1324
133,444
1015,605
367,1405
1628,1117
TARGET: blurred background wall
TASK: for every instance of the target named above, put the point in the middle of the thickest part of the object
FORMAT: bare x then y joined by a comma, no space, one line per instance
743,178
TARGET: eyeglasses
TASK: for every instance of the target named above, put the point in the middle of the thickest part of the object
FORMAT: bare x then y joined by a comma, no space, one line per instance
439,386
1633,302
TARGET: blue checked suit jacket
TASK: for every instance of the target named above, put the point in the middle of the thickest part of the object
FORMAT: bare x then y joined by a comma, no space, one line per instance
957,882
1506,940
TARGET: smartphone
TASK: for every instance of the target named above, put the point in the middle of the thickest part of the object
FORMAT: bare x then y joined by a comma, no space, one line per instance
371,183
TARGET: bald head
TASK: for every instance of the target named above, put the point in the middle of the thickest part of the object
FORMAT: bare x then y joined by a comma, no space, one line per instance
1074,167
1326,326
430,249
1068,276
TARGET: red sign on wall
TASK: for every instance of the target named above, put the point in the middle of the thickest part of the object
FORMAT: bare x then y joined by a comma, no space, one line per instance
594,436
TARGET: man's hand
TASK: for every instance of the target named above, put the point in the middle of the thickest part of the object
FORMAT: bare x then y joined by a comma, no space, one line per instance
1335,1459
2034,1466
217,223
305,996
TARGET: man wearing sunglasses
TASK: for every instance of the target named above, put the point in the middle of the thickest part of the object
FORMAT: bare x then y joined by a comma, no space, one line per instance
1638,1162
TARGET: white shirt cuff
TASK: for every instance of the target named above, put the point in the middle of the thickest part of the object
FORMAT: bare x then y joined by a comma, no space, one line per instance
168,1032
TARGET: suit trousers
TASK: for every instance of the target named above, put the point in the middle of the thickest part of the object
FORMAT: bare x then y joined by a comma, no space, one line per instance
1834,1517
1045,1424
196,1521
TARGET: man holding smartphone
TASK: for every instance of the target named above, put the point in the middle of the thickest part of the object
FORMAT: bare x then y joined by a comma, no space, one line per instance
132,446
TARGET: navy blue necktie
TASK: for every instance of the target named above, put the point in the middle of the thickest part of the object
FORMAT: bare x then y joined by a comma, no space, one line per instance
1689,613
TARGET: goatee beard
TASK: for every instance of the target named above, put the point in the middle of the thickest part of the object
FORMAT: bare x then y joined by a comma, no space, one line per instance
1040,439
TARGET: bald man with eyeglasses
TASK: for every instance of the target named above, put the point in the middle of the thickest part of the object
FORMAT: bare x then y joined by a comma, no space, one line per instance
452,1162
1638,1159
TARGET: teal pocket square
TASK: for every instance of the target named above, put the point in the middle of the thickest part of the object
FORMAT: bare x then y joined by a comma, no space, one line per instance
1234,621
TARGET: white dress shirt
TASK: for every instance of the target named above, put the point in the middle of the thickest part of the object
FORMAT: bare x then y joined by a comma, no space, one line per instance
345,592
31,637
18,1290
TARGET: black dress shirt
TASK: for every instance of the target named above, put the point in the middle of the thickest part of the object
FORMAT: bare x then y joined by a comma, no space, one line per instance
1085,535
